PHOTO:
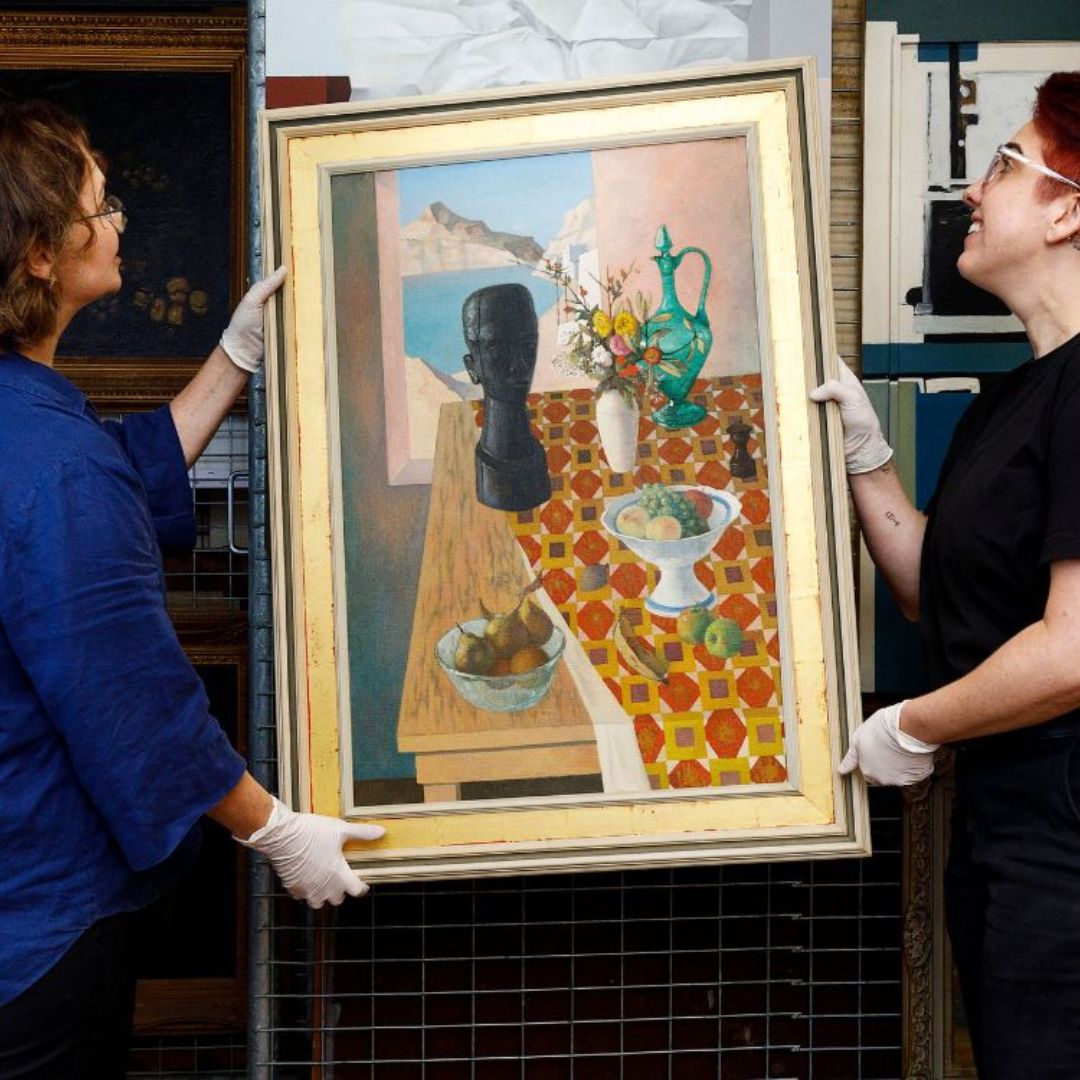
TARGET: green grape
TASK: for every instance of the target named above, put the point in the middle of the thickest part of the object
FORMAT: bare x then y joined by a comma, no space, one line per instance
659,501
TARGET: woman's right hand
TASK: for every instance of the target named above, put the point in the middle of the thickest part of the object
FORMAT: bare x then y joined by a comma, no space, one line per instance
305,850
243,337
865,448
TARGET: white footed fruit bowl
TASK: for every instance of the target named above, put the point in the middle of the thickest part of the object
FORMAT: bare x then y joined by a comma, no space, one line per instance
679,587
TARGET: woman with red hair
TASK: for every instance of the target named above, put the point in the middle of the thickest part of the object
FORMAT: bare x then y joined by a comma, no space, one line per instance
991,572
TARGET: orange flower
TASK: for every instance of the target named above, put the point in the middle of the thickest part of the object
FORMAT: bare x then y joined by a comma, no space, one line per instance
651,355
630,371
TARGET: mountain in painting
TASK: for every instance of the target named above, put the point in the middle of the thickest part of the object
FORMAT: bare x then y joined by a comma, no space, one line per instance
439,240
576,235
427,383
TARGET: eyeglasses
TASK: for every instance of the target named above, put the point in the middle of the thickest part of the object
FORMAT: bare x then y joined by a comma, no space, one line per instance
113,212
998,164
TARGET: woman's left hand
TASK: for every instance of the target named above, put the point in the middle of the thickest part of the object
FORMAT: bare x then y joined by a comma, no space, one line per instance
886,755
243,337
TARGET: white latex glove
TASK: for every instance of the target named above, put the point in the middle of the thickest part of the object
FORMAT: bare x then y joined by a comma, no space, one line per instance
305,850
243,337
865,448
886,755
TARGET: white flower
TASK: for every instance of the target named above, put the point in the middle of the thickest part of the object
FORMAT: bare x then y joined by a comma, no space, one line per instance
601,358
563,362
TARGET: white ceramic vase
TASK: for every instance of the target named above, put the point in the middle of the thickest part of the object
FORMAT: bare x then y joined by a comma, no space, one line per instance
617,422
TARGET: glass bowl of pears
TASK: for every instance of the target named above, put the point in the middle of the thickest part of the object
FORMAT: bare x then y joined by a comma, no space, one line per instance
503,661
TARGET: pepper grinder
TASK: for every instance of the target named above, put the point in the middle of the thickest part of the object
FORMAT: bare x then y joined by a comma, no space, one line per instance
743,466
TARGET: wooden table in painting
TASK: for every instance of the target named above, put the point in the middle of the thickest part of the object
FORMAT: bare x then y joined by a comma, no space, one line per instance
714,721
470,555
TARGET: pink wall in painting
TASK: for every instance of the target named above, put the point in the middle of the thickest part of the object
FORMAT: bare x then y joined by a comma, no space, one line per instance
704,192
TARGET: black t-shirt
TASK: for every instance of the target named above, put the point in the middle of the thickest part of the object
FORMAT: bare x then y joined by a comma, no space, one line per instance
1007,504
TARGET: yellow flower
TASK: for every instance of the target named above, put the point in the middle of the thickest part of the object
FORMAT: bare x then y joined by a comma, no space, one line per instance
625,324
601,323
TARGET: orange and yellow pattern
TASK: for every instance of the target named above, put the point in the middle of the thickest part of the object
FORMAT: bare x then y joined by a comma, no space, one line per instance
714,722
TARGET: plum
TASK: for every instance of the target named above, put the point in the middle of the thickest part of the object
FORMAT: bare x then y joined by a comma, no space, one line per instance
702,503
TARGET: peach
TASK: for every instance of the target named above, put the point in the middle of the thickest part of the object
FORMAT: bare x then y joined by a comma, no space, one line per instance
663,527
632,521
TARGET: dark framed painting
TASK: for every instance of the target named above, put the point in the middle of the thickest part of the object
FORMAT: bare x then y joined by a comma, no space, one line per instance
937,1044
163,99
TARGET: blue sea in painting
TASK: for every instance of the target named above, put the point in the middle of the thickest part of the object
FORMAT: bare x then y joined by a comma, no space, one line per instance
432,309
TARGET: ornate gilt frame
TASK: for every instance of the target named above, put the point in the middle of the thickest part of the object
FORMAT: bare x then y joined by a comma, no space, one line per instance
935,1045
158,43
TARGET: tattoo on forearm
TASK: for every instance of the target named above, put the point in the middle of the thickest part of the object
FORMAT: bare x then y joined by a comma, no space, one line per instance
890,516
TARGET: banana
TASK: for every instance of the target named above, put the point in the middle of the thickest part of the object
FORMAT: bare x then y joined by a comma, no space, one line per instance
639,657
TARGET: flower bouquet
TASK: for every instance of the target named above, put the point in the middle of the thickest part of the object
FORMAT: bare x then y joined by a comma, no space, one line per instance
612,340
616,342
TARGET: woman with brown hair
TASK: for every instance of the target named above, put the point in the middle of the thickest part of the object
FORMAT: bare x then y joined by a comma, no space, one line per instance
991,572
108,754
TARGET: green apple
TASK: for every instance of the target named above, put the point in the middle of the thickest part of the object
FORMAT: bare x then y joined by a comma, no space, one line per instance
692,624
723,637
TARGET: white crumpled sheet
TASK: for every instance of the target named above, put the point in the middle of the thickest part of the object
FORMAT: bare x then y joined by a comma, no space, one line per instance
397,48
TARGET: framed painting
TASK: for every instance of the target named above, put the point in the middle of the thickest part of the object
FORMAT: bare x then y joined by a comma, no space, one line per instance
162,97
937,1042
486,637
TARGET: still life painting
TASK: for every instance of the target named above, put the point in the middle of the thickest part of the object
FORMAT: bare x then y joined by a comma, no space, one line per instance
555,586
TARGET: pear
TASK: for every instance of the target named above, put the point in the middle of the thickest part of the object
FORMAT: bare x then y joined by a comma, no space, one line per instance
506,633
473,654
532,656
536,620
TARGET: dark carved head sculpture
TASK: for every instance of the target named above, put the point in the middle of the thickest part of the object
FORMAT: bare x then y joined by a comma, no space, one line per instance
499,324
501,335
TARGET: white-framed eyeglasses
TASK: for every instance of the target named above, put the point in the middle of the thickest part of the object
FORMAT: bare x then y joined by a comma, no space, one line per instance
112,209
998,164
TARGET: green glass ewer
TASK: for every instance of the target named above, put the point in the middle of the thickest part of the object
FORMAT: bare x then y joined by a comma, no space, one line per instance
683,339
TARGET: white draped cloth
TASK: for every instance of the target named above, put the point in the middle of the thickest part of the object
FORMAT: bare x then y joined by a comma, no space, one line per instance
396,48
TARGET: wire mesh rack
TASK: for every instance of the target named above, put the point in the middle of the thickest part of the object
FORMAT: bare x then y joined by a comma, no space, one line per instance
214,575
218,1057
739,973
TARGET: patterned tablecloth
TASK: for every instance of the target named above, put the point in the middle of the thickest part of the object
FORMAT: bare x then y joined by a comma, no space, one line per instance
714,721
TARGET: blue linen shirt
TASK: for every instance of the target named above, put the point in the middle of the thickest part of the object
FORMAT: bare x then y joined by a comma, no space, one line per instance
108,753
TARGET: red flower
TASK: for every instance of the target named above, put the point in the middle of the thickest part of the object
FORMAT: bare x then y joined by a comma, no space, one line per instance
630,371
651,355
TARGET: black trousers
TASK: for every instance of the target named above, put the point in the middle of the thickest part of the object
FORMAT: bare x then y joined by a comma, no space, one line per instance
1012,893
74,1023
